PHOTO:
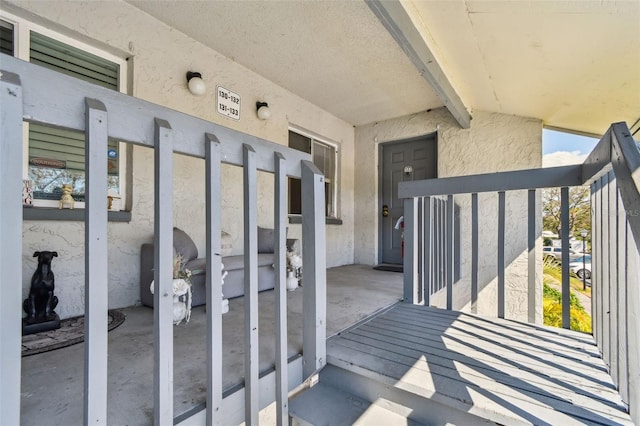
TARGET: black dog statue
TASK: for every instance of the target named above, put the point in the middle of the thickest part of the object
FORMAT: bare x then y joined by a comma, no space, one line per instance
41,302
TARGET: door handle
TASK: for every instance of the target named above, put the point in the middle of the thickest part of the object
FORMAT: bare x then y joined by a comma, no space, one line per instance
385,211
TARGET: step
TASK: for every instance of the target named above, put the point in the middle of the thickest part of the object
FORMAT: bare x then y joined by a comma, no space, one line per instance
326,405
407,405
452,367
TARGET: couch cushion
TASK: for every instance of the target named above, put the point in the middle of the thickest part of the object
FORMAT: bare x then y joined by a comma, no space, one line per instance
266,240
184,245
232,263
197,266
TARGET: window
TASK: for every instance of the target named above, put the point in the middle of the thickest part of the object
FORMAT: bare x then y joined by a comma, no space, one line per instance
56,156
6,38
325,157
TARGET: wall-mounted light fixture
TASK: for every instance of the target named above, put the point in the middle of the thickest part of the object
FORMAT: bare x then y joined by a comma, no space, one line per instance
263,111
195,83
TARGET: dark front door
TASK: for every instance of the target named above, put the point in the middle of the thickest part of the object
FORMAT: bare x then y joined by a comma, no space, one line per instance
414,159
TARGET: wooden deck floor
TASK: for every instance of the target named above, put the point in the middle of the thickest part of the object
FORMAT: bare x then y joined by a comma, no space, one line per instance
503,371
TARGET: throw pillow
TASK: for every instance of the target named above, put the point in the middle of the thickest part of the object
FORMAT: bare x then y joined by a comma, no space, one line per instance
184,245
266,240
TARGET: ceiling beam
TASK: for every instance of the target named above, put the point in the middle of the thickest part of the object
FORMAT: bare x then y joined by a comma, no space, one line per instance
398,23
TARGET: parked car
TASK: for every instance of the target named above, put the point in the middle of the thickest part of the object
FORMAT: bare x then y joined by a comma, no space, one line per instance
557,252
581,269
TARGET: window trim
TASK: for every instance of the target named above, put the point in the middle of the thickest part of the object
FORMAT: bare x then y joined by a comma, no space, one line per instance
22,44
336,218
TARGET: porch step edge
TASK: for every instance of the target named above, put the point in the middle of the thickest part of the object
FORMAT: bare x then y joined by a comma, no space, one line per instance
407,404
432,407
326,405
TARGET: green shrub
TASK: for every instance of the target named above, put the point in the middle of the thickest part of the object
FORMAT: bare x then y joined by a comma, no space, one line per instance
556,296
580,320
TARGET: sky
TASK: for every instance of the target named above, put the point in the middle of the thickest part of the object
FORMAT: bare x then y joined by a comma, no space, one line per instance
561,149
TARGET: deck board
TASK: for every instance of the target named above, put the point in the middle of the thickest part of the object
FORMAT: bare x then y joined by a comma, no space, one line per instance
504,371
456,332
451,339
483,363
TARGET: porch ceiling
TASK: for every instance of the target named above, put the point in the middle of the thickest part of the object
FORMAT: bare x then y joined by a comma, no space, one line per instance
574,65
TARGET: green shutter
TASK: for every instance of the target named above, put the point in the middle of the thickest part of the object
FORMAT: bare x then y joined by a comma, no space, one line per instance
70,60
56,156
58,144
6,38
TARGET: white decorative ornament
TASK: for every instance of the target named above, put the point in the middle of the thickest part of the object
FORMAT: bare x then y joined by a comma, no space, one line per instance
181,307
225,302
179,310
292,281
295,261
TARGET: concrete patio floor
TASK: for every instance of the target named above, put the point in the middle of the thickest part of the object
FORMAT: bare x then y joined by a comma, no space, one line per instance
52,382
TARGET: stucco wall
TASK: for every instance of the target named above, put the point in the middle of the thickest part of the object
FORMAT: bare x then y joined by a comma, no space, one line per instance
495,142
158,59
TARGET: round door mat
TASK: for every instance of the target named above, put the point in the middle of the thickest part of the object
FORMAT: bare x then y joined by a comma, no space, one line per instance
71,331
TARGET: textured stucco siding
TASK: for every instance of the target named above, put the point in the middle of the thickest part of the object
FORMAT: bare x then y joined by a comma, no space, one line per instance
495,142
158,58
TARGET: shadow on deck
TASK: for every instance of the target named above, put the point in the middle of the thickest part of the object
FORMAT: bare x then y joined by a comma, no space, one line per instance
434,366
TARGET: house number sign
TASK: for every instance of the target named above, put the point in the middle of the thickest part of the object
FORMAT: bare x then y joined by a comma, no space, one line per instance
228,103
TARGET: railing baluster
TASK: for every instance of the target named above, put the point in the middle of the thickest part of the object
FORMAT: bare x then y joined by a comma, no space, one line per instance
410,275
420,250
96,265
595,241
251,348
442,244
10,246
606,265
435,228
613,277
314,293
214,280
564,230
622,349
428,251
162,275
633,330
531,265
474,253
501,244
449,255
280,256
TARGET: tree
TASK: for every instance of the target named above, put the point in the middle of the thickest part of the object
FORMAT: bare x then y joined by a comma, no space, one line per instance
579,210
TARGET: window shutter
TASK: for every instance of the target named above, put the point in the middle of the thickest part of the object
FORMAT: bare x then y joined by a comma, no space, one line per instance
56,156
6,38
72,61
55,144
58,144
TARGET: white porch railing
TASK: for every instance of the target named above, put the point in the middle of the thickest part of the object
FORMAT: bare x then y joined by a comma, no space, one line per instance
35,94
613,171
